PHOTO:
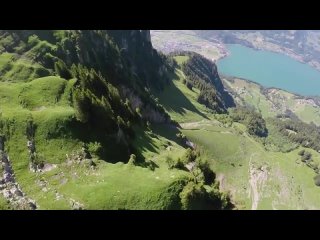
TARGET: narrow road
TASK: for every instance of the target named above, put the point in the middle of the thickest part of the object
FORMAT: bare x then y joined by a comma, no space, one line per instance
253,186
257,179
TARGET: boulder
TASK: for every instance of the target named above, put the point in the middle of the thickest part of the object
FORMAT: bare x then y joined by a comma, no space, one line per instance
32,206
18,193
8,169
7,194
7,177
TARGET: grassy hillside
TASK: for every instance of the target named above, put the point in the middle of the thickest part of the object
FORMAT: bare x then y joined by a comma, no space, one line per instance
257,178
181,102
45,101
272,102
81,129
280,180
96,128
104,187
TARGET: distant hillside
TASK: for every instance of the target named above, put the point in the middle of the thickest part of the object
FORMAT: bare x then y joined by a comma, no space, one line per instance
272,102
302,45
202,73
264,162
168,41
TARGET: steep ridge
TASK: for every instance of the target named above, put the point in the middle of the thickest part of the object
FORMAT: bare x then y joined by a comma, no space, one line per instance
202,73
110,123
84,102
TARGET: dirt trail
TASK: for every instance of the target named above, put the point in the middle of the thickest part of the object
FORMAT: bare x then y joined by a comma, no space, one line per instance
190,125
202,123
258,176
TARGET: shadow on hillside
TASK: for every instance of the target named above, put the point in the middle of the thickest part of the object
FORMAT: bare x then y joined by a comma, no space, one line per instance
112,151
167,131
144,142
175,100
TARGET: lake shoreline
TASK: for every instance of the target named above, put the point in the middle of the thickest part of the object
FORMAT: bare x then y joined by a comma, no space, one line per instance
284,51
315,99
270,69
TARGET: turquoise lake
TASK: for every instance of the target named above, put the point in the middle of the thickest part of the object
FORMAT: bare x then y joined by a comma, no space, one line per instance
270,70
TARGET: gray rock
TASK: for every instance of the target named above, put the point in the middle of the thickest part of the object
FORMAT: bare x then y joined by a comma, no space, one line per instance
18,193
32,206
7,194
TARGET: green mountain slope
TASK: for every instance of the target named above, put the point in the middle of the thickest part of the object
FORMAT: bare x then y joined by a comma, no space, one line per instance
100,120
256,175
272,102
80,127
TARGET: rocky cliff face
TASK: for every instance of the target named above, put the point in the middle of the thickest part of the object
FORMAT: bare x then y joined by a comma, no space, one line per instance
108,51
136,47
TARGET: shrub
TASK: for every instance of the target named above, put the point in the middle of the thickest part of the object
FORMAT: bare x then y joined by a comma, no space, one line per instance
209,175
254,121
301,153
42,72
151,165
181,138
189,156
192,196
198,176
81,103
317,180
174,163
217,199
38,160
33,40
226,201
314,166
62,70
95,148
189,85
306,157
132,159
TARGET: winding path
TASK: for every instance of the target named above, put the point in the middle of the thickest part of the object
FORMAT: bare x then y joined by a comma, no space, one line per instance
257,179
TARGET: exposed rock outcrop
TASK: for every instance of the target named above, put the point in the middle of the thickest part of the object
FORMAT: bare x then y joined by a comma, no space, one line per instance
148,112
10,189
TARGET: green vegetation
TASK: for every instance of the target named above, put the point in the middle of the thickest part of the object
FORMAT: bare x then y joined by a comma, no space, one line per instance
317,180
202,74
180,102
256,125
273,102
100,139
196,196
4,205
298,132
117,125
231,152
